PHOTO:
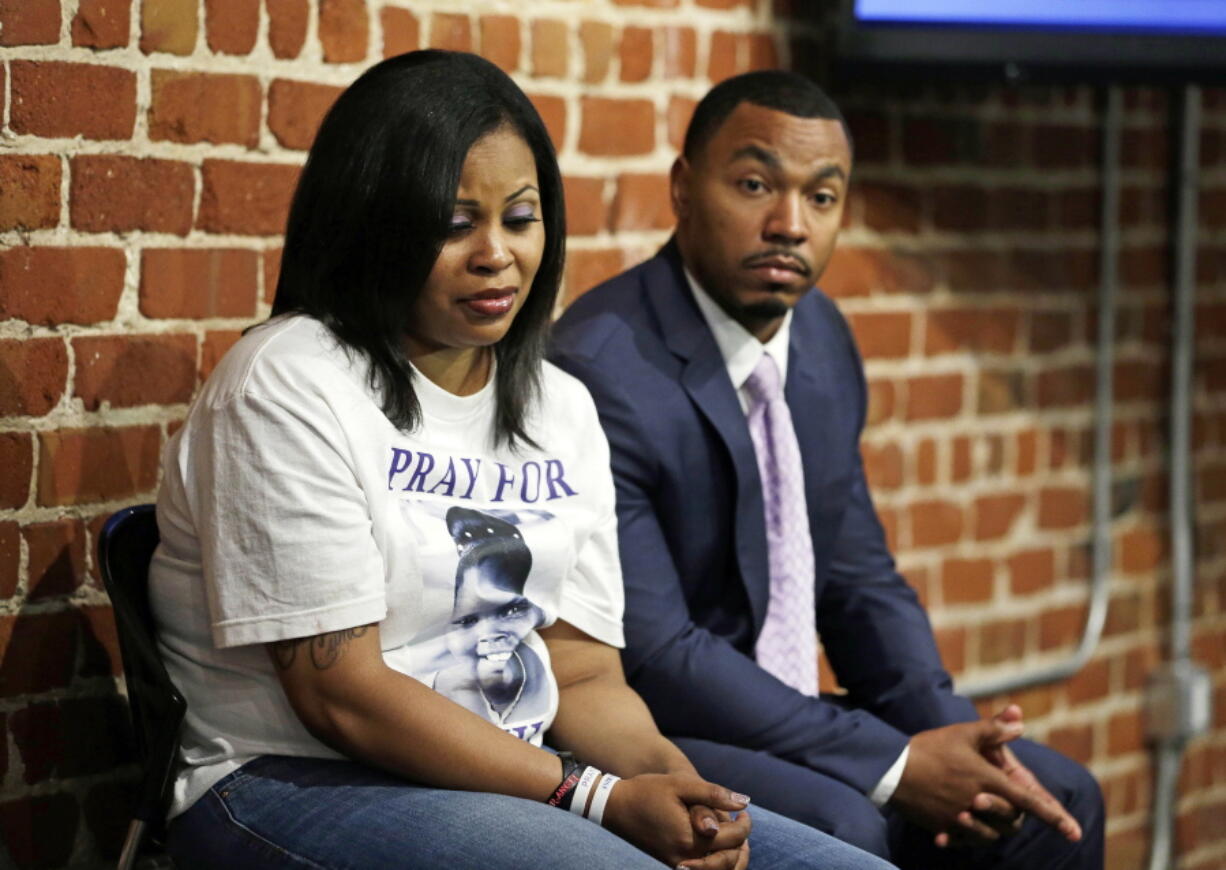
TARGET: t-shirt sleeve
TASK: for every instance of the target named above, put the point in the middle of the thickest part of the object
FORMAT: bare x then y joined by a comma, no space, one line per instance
593,599
284,526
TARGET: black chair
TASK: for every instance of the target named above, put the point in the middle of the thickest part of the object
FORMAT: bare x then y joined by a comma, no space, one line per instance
125,549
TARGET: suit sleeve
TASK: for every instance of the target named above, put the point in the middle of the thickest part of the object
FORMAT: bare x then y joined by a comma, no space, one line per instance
874,630
696,683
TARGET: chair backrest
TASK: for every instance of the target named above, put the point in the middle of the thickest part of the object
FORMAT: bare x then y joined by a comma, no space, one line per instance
125,549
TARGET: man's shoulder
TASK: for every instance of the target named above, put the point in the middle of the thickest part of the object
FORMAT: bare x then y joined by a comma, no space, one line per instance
611,313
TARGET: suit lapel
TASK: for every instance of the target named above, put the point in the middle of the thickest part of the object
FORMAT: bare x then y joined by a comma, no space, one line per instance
808,390
705,378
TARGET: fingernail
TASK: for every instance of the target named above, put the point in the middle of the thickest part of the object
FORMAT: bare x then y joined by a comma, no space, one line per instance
710,826
740,798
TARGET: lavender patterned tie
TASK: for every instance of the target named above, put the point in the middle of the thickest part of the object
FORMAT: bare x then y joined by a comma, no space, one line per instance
787,646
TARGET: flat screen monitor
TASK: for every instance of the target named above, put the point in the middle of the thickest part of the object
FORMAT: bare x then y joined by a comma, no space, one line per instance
1124,40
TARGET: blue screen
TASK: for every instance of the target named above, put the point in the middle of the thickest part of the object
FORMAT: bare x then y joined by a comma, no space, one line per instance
1206,17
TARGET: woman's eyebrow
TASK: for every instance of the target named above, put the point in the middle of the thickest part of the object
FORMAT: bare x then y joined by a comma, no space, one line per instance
473,203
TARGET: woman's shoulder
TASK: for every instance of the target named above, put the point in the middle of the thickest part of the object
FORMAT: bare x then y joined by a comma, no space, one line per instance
562,391
288,353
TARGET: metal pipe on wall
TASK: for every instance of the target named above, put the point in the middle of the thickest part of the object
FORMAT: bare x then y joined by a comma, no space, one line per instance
1179,697
1099,595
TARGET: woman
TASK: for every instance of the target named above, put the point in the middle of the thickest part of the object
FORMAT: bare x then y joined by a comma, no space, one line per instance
374,469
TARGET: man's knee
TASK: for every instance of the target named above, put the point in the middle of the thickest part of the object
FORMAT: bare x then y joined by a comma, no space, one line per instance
862,825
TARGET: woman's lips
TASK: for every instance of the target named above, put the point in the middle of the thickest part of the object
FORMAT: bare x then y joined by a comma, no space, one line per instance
491,303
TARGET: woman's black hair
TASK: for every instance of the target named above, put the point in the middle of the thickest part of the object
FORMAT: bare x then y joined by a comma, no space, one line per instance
372,210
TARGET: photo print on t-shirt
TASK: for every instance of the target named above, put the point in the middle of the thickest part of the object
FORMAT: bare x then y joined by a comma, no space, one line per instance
489,658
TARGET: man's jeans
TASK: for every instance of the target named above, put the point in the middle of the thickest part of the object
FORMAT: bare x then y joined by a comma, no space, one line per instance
300,812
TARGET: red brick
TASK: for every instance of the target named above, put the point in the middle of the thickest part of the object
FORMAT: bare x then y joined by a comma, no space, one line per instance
553,112
1125,734
232,25
1000,391
287,26
1074,741
617,128
763,53
586,213
881,395
680,49
451,32
52,286
37,652
960,208
951,643
131,370
500,40
1050,330
1091,683
729,55
966,581
80,466
882,335
10,556
934,397
33,375
977,330
344,30
642,203
1003,641
935,523
889,207
974,271
102,24
198,283
1062,507
57,557
882,465
169,25
40,831
1061,627
995,515
295,110
1136,381
1072,385
246,198
29,190
637,47
926,462
587,268
680,110
272,271
1078,209
550,48
202,107
1031,571
53,99
1063,146
963,462
16,463
597,40
29,22
1141,551
1128,848
112,193
856,271
216,343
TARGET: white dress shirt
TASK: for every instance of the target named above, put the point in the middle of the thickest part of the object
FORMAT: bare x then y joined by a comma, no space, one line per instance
741,351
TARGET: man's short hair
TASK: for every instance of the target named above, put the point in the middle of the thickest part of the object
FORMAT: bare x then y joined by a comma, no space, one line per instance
772,89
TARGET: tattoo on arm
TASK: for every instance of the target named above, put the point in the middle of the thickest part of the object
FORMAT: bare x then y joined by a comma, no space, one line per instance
324,649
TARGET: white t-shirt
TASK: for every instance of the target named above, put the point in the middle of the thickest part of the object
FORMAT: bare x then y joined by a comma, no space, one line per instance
291,506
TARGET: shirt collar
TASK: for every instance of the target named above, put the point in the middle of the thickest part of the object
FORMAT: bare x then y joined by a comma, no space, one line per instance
740,349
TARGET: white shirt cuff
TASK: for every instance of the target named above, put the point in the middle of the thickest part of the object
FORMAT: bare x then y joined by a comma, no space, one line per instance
884,789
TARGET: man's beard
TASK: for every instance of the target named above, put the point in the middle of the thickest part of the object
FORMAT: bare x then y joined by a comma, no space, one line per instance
766,309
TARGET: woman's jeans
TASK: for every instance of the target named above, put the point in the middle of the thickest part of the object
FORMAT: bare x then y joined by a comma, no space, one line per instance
279,812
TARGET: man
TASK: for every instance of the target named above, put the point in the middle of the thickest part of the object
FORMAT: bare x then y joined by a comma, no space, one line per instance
733,398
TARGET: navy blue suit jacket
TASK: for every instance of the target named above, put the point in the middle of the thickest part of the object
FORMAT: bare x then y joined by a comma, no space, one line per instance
693,540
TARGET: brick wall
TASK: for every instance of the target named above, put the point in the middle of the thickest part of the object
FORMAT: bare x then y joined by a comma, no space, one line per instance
148,151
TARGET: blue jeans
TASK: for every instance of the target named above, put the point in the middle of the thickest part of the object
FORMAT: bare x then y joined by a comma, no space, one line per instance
279,812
